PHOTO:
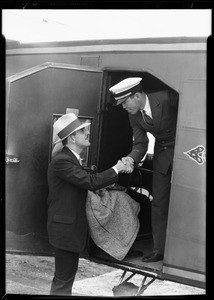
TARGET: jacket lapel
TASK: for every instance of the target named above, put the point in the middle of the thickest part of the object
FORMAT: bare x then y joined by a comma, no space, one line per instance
156,110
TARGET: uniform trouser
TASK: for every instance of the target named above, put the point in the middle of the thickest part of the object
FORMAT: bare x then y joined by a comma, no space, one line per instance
160,205
66,265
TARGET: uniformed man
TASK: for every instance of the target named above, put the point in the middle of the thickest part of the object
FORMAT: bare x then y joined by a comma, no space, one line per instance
155,113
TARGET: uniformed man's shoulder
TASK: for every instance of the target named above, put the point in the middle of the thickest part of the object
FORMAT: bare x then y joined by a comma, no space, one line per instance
163,96
162,93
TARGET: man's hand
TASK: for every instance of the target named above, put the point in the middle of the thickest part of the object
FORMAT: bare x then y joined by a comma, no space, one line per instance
129,163
121,167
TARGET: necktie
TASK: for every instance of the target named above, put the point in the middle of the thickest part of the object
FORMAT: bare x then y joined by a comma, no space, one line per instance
147,118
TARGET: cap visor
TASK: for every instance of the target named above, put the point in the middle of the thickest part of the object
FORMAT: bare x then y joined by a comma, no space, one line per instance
118,102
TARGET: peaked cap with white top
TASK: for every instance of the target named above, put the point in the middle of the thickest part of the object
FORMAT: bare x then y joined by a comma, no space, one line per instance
122,90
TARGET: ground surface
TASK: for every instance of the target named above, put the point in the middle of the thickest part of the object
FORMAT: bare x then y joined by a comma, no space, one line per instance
32,275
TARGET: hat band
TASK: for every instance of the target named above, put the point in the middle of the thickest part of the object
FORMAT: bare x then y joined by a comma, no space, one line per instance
123,96
128,92
69,129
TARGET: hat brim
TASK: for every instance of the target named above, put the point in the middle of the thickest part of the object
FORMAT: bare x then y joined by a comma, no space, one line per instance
78,128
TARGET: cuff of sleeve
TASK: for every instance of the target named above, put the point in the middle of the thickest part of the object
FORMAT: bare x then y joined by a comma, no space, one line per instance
116,170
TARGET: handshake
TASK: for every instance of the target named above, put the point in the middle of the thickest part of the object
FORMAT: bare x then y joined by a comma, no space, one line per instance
125,165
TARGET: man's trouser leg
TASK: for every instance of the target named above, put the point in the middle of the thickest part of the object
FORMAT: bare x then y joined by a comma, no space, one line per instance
160,205
66,265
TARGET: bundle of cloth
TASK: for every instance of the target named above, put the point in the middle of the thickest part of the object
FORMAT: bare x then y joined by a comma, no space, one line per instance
113,220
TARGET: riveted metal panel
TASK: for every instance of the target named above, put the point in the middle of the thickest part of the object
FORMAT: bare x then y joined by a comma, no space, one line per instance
185,251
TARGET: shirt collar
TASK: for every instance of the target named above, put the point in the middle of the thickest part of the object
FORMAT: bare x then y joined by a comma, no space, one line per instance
76,154
147,107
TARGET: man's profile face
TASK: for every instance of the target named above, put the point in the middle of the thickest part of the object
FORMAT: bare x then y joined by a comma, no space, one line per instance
82,137
131,104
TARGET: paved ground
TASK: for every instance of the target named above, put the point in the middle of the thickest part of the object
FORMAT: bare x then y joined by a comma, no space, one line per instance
32,275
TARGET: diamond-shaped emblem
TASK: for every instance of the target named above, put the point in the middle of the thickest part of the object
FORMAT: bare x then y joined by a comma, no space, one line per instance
198,154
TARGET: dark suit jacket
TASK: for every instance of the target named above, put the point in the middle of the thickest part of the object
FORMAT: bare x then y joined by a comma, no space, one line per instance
68,185
164,108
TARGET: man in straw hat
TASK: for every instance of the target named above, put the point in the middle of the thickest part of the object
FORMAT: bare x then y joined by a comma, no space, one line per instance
155,113
68,184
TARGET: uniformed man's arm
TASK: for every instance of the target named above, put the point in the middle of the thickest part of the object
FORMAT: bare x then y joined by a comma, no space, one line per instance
140,142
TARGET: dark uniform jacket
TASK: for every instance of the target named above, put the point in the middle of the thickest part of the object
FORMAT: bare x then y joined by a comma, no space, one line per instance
68,184
164,108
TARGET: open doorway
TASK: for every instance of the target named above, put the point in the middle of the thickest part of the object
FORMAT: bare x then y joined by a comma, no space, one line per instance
116,132
116,139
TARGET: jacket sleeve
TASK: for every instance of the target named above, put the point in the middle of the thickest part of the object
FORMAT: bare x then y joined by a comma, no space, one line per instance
67,170
140,142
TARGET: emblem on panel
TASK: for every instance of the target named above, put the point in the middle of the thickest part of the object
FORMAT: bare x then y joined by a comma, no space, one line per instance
198,154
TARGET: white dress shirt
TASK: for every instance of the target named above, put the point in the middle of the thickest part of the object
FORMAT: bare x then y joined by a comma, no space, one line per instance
77,156
147,108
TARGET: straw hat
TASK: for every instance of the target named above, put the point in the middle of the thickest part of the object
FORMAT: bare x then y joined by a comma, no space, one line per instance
66,125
